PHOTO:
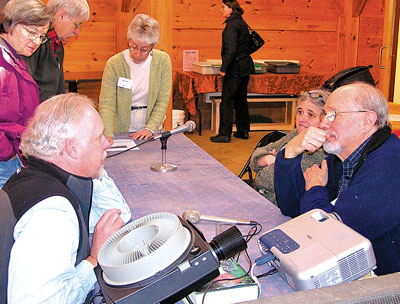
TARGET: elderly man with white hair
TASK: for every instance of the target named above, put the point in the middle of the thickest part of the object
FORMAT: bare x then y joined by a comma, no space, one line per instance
49,207
359,181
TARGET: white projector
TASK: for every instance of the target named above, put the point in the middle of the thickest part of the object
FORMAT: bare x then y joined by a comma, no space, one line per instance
315,250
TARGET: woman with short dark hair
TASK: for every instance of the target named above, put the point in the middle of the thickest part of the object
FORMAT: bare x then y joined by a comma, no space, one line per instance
236,68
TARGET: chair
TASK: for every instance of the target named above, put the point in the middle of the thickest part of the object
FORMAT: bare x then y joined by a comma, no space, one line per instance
7,221
268,138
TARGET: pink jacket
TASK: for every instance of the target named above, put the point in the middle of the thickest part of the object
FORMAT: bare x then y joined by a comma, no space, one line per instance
19,97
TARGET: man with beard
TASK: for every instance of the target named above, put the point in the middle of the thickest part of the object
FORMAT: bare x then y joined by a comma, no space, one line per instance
359,180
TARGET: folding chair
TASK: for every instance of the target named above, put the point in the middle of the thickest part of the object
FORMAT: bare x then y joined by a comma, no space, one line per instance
268,138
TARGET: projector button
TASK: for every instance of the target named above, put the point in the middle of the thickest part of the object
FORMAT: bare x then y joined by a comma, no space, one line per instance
185,265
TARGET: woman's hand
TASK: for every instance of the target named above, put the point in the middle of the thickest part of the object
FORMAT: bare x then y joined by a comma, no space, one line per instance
142,134
267,160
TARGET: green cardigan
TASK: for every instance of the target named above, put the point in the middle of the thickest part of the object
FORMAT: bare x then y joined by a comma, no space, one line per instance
115,102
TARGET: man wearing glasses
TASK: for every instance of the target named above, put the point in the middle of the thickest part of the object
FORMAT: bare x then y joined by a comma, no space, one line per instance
46,64
359,181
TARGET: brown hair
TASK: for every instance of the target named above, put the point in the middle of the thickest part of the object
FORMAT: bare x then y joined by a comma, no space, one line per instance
234,5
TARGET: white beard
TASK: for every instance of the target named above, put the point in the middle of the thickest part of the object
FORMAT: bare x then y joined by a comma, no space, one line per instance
332,147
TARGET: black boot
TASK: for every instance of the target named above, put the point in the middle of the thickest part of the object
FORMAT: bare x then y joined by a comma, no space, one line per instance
220,139
242,135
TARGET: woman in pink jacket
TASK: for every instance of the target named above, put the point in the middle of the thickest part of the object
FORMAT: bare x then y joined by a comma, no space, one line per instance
23,26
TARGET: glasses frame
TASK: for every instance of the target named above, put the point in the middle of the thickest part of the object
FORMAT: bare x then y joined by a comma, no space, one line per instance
141,50
33,35
331,114
78,24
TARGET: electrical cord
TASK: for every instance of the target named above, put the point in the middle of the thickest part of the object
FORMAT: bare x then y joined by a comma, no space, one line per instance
231,279
254,230
135,146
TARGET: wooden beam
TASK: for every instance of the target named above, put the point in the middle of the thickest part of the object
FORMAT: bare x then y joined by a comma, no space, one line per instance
358,6
162,11
339,6
126,6
347,38
388,51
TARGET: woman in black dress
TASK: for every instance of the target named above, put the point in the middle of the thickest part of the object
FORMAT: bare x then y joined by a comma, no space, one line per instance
236,68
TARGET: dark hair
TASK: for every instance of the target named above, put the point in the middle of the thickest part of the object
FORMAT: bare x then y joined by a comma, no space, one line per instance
234,5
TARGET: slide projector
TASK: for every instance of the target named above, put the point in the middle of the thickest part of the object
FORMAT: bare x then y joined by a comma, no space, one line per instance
161,258
316,250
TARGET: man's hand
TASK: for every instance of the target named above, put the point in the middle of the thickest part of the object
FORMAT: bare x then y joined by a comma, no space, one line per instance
316,176
110,140
309,140
142,134
108,224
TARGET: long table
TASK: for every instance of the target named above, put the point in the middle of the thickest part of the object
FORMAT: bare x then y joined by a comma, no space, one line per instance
188,86
200,183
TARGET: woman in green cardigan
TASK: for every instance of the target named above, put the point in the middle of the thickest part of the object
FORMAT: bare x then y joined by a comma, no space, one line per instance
136,84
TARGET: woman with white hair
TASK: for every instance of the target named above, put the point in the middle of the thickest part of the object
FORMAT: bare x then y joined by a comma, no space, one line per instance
23,25
136,84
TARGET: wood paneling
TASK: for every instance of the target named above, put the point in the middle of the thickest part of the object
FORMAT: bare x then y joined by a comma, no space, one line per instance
86,54
326,36
371,36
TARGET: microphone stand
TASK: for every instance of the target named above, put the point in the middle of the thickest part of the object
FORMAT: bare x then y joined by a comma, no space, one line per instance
164,167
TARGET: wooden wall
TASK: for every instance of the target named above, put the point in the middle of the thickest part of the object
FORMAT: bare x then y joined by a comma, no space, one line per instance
298,29
325,35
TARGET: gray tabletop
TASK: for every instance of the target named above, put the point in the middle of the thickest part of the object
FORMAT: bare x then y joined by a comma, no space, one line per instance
200,183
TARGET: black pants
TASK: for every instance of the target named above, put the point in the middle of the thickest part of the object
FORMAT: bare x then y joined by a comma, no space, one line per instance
234,96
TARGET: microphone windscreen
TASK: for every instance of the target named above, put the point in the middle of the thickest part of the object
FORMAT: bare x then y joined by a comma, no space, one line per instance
191,125
191,215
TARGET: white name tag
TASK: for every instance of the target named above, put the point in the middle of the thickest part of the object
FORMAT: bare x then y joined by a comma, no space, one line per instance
124,83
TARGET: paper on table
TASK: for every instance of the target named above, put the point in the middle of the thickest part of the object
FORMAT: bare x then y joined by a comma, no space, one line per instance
122,144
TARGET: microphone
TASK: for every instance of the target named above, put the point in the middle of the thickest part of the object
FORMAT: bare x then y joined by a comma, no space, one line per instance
195,217
189,126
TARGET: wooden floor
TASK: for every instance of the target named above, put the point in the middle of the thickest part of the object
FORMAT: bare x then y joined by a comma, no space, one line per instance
232,155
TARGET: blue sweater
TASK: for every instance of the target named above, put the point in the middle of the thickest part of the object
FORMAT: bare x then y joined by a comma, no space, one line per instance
370,205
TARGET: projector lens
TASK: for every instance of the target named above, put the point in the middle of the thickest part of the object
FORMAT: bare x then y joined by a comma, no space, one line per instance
228,243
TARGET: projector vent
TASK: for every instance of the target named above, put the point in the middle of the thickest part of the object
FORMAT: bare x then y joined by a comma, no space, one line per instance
354,265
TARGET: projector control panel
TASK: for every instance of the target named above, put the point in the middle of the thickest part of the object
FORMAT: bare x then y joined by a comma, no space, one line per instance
279,239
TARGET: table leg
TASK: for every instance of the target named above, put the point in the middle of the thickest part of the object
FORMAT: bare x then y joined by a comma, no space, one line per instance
196,104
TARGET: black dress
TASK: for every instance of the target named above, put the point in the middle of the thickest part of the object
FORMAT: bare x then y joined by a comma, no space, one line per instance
237,65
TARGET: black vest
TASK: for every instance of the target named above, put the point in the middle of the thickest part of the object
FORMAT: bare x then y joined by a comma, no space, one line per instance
38,181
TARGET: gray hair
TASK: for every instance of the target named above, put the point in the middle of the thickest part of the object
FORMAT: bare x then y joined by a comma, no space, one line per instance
145,29
369,98
74,8
57,119
318,97
27,12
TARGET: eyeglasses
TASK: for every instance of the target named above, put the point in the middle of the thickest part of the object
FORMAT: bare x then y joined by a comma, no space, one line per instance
144,51
314,95
331,114
33,35
78,24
